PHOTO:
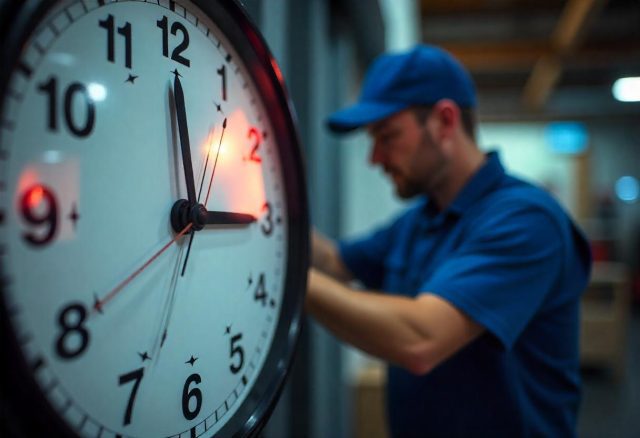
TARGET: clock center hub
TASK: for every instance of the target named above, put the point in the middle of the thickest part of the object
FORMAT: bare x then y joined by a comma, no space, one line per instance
183,213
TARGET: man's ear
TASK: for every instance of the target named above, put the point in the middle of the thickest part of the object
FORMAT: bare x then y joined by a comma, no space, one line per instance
448,117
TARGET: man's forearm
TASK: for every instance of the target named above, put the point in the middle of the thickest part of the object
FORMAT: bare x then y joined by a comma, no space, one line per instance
414,333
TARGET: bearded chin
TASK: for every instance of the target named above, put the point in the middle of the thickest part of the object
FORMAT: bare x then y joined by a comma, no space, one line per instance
407,190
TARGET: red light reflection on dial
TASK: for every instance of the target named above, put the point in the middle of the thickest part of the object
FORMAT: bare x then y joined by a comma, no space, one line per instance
35,196
238,184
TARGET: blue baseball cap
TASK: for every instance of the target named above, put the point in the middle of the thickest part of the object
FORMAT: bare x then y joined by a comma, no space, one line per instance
395,81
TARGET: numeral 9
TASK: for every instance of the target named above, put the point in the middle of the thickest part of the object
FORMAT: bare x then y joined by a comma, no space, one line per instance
39,208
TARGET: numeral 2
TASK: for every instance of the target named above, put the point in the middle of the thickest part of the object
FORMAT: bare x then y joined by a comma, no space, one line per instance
255,135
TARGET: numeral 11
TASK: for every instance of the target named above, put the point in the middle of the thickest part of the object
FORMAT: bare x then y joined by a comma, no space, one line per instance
125,31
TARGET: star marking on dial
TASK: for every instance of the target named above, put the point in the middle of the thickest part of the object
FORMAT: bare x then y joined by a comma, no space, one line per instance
192,360
132,78
74,215
144,356
218,107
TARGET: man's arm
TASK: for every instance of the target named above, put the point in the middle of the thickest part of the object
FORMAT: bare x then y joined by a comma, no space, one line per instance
414,333
325,257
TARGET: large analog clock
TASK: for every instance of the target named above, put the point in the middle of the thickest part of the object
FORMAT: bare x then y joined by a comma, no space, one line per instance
153,220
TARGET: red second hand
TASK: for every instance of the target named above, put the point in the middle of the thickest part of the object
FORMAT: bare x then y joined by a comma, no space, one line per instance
97,307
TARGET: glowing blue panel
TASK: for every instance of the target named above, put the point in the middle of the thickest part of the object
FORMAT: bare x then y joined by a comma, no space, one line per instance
567,137
627,189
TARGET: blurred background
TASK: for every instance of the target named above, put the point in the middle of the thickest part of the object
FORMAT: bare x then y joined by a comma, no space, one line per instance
551,99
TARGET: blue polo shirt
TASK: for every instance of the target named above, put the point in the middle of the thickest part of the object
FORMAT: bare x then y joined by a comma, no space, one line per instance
507,255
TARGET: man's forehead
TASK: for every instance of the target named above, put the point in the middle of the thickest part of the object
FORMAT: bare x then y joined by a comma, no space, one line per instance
388,122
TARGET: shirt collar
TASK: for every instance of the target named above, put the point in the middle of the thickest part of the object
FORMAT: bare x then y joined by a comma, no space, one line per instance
489,174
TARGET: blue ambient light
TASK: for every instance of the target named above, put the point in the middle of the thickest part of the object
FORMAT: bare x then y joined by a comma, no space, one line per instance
567,137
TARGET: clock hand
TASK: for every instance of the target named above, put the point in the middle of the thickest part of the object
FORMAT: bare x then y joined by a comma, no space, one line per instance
100,302
206,163
228,218
224,127
182,213
181,115
215,163
167,312
186,259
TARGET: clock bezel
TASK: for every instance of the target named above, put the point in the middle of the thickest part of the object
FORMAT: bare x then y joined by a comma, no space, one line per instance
21,394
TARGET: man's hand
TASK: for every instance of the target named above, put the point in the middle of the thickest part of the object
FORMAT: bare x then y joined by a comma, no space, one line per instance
325,257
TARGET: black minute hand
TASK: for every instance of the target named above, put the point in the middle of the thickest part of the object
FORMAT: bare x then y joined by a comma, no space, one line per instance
184,139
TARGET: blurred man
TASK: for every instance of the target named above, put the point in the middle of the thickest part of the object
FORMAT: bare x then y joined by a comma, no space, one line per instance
481,275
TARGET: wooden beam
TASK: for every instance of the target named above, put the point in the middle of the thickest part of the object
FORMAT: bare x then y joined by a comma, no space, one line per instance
544,76
522,56
434,8
572,23
564,39
498,56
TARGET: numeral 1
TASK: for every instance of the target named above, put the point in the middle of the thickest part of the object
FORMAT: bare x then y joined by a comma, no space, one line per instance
222,71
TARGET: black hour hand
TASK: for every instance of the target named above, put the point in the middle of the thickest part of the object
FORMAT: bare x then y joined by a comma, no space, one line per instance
183,213
228,218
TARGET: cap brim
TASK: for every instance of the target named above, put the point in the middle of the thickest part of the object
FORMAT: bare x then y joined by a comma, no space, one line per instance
361,114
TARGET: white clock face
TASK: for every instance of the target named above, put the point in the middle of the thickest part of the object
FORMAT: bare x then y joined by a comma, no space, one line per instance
126,330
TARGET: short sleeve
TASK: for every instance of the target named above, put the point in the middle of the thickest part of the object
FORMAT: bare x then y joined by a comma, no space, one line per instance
365,256
504,269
